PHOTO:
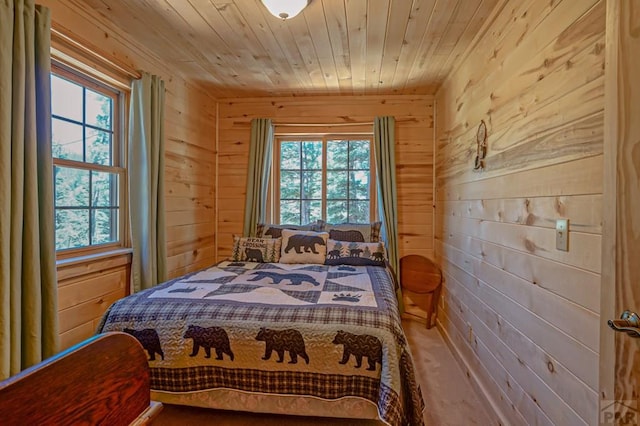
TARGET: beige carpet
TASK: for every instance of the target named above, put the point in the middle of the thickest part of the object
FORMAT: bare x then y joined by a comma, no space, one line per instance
449,399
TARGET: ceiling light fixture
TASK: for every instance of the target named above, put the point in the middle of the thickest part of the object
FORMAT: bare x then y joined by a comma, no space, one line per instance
285,9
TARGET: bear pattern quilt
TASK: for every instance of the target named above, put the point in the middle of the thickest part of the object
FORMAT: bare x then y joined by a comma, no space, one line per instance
291,329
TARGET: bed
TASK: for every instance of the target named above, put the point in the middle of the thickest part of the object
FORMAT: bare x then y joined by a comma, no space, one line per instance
306,339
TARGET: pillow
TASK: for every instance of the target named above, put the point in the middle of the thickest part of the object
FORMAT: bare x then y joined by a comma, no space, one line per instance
355,253
266,230
303,246
359,232
248,249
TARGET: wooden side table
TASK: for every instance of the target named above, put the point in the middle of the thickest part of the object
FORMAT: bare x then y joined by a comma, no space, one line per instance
422,276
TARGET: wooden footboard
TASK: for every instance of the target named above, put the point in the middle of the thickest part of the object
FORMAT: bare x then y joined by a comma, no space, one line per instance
103,380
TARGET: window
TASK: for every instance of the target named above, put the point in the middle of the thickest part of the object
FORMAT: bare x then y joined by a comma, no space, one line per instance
326,178
88,173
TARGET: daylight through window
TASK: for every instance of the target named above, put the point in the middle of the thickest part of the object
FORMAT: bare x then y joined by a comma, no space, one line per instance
87,163
324,178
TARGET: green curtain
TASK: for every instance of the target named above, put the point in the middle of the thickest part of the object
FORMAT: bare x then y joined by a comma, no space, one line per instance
384,153
146,182
28,285
260,152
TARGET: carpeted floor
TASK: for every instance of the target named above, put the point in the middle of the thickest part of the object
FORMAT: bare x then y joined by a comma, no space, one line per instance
449,399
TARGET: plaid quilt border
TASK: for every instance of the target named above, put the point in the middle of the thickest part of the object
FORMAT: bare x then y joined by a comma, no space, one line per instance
325,386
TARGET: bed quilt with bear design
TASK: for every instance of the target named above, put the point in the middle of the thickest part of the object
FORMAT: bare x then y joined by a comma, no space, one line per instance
289,329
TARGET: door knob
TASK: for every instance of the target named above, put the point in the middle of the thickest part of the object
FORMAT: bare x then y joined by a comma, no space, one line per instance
629,322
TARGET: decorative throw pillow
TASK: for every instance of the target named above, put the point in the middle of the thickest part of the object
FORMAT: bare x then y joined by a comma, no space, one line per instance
303,246
355,254
248,249
270,230
358,232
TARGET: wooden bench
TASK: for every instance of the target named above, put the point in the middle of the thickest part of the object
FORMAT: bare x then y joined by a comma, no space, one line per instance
103,380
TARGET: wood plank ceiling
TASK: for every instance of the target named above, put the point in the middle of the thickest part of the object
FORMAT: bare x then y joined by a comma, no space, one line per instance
237,48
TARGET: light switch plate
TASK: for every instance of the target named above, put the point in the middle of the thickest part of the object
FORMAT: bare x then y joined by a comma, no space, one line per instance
562,234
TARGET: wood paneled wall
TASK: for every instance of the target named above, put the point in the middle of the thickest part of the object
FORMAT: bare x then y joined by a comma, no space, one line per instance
521,315
189,166
414,154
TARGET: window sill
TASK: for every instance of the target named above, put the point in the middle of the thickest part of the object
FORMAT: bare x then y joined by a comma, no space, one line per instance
61,263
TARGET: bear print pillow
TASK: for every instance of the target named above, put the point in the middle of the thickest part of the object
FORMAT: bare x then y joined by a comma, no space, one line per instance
357,232
355,253
269,230
303,246
247,249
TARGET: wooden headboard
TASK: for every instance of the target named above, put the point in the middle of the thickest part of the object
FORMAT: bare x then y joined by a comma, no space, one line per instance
103,380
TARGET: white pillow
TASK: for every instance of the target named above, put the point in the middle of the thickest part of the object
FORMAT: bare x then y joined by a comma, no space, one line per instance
303,246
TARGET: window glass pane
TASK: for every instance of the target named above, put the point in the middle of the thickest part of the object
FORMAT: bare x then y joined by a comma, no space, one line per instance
290,212
72,228
337,185
71,187
105,189
311,185
86,201
336,211
336,155
359,185
359,211
98,147
359,155
98,110
311,211
347,175
66,140
104,226
290,155
289,185
312,155
66,99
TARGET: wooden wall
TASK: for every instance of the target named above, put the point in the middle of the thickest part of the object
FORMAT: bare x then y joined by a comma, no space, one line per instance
521,315
414,154
87,288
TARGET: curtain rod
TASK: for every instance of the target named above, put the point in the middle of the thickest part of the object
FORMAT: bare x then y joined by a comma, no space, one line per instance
57,32
365,123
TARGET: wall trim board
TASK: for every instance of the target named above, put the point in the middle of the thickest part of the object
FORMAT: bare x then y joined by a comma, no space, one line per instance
493,409
217,182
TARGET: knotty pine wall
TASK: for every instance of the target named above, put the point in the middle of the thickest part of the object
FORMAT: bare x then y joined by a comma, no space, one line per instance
414,155
87,288
522,316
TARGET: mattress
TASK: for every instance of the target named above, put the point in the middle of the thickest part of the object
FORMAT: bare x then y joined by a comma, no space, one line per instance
305,333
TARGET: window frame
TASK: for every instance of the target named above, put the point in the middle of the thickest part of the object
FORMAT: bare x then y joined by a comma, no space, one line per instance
273,199
119,98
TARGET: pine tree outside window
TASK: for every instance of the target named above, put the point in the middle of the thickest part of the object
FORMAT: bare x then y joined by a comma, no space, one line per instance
87,159
325,177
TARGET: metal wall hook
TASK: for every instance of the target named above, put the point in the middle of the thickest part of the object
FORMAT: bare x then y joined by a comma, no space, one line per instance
629,323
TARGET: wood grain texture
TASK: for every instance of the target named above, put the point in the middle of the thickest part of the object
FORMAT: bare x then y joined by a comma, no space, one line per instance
105,380
414,155
189,161
190,117
516,308
620,362
237,48
85,290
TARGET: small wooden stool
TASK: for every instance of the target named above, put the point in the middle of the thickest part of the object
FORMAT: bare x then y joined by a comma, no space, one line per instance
421,276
